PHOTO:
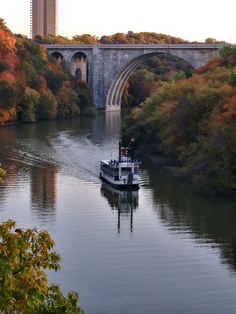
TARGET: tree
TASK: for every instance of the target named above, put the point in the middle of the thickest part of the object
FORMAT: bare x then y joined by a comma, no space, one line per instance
210,41
3,26
7,39
4,66
2,174
87,39
84,98
67,101
8,96
54,78
232,77
47,108
106,40
141,85
25,254
228,55
119,38
30,105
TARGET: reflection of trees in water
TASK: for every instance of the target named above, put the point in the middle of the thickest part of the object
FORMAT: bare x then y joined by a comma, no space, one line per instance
23,158
15,173
124,202
208,219
43,190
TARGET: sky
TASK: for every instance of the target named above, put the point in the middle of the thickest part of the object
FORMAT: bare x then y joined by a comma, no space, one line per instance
188,19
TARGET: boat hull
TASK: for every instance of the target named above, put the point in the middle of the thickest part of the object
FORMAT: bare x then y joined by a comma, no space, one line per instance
117,183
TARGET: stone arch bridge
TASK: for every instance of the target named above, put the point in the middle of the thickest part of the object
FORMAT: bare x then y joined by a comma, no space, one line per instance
107,67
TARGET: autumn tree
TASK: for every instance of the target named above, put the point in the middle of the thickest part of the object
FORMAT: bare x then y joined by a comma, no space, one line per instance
54,77
85,39
25,254
84,99
141,85
106,40
4,66
53,39
47,107
68,102
193,121
3,26
2,174
119,38
7,39
210,40
232,77
29,107
8,96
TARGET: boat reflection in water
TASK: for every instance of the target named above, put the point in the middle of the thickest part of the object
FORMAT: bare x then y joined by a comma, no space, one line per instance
124,201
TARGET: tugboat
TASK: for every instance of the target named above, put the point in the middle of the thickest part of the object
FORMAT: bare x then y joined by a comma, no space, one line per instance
123,172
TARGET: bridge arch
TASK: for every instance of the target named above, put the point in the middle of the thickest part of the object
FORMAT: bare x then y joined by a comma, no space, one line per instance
57,56
115,92
79,66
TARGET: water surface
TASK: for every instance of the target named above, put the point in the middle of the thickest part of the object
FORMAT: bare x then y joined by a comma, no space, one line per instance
163,249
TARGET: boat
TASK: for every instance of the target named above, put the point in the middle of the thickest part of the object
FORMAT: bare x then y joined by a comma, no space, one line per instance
121,172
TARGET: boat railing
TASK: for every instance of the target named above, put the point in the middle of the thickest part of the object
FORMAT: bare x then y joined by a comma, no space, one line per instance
126,162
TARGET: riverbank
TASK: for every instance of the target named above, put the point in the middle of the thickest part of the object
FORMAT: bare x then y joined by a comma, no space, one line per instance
193,120
177,170
169,164
33,86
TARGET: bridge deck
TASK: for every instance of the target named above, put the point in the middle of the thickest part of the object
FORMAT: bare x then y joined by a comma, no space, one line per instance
136,46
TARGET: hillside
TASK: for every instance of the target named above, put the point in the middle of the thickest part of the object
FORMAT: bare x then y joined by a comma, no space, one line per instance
193,121
33,87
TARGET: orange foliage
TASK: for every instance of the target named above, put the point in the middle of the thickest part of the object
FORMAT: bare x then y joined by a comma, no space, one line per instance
7,40
13,114
4,116
55,68
12,59
214,63
229,110
43,53
9,77
225,90
195,80
7,115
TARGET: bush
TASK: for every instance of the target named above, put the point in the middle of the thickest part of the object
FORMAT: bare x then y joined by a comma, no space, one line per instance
2,174
25,254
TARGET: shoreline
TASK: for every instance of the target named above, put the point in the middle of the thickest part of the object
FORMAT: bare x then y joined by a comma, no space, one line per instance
9,124
159,159
171,165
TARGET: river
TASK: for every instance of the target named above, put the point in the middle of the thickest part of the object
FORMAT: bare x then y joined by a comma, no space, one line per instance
163,249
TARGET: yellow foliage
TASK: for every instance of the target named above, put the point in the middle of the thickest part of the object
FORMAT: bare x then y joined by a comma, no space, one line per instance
2,174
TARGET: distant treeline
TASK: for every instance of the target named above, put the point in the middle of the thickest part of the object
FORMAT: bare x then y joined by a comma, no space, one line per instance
192,120
33,87
118,38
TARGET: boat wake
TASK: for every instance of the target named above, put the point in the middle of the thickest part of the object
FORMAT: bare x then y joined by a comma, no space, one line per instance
74,156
